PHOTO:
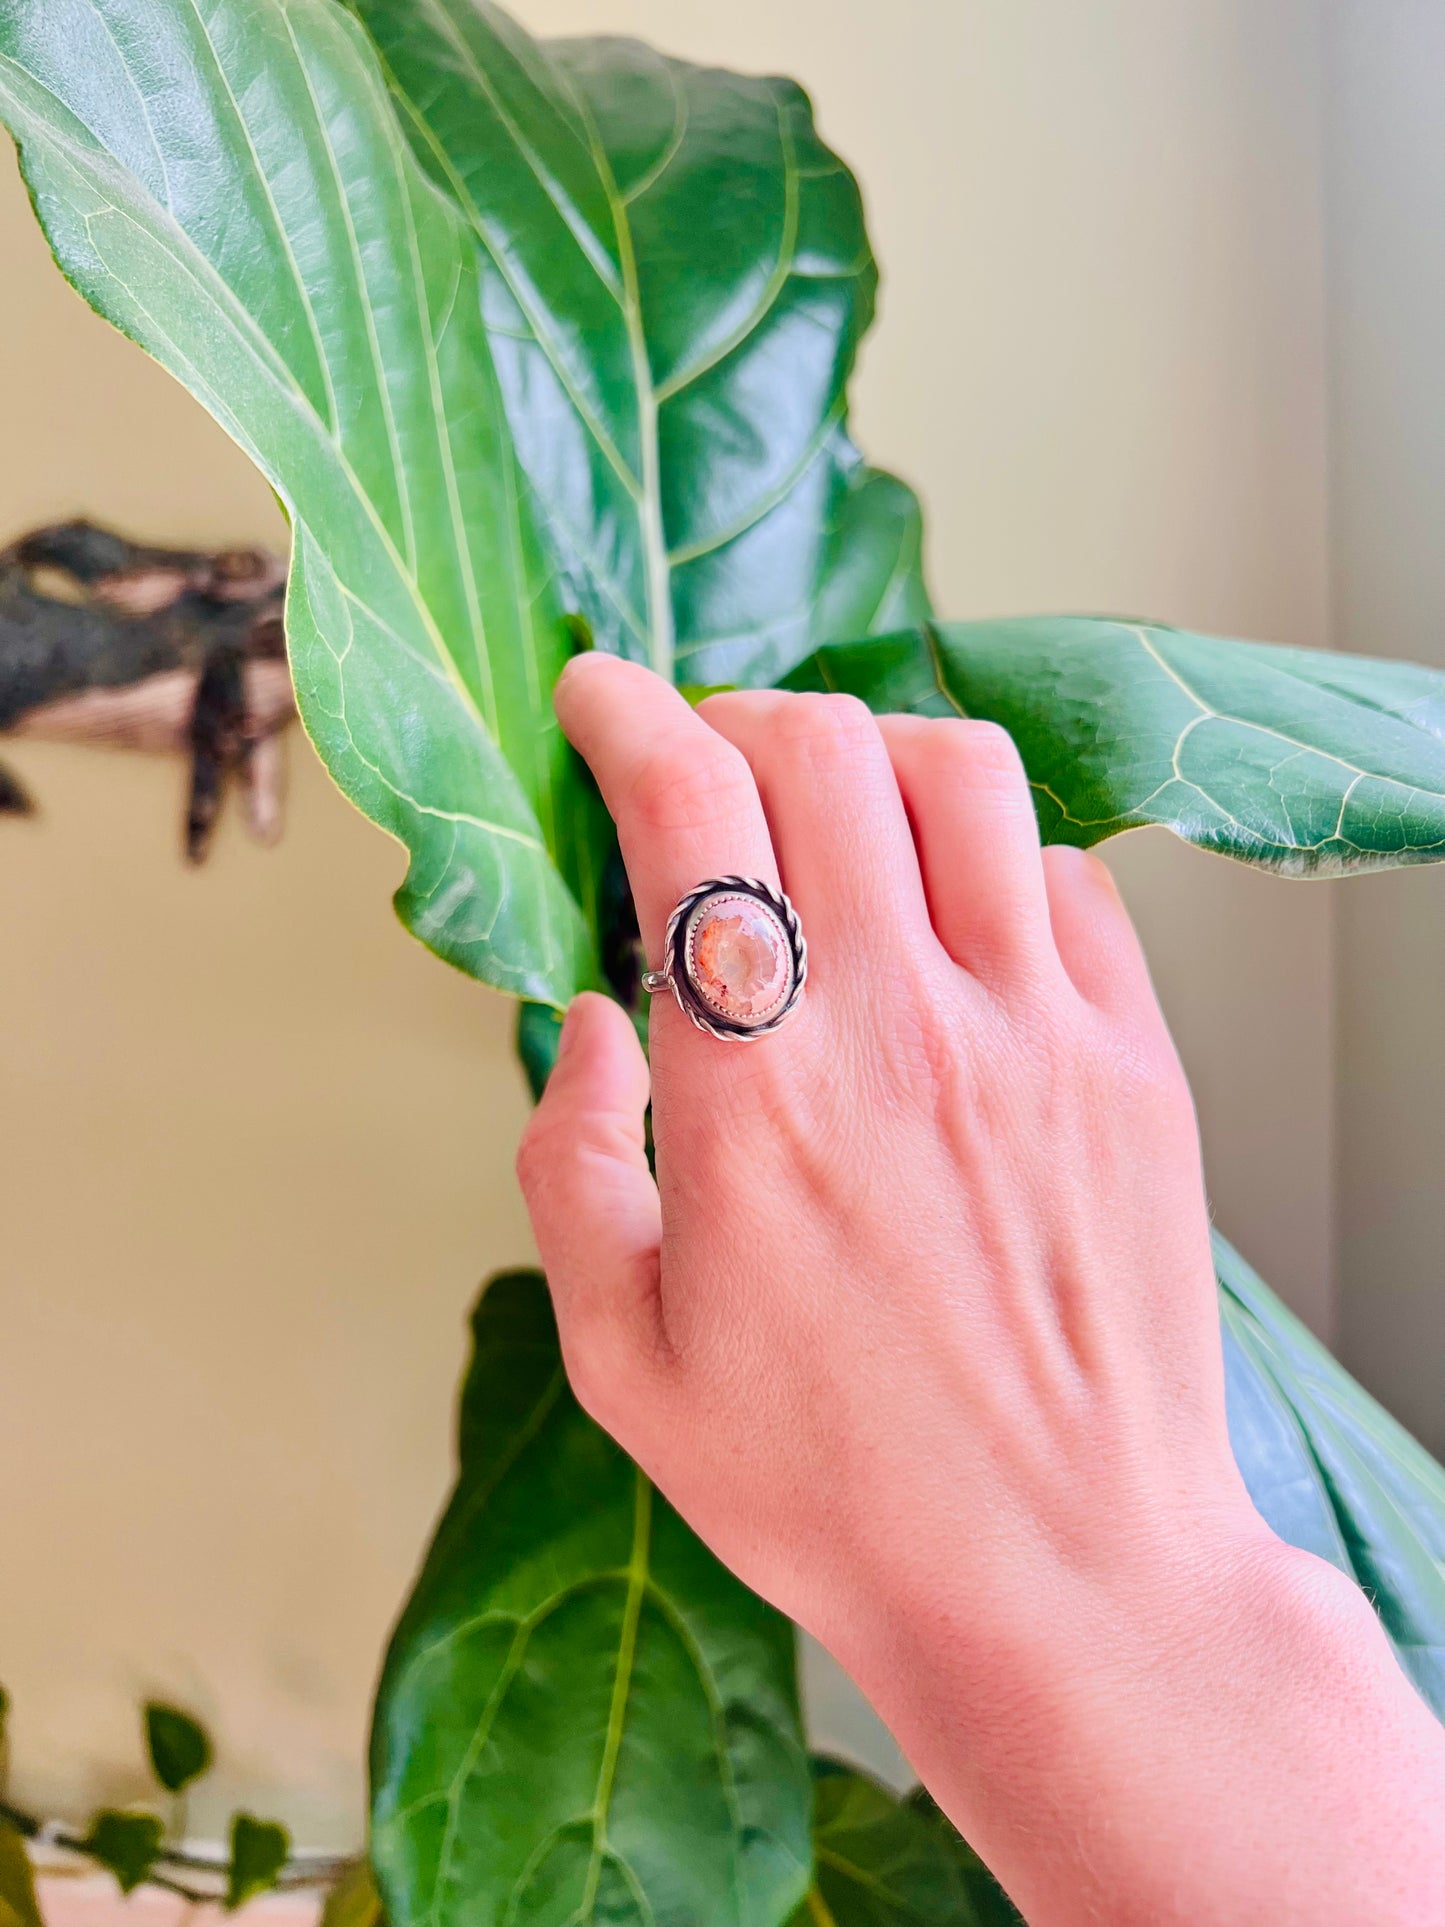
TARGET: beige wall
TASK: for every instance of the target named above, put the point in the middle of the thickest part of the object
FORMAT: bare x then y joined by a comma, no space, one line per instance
1386,67
255,1145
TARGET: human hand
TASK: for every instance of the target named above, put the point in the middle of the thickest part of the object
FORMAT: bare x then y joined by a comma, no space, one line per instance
917,1326
936,1252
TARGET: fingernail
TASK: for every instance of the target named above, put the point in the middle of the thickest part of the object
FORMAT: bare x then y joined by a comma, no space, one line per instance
568,1031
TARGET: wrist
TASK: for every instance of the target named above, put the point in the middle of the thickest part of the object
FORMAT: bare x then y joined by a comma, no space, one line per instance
1109,1735
1151,1620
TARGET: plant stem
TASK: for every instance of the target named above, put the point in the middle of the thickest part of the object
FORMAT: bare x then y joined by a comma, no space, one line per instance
819,1912
301,1870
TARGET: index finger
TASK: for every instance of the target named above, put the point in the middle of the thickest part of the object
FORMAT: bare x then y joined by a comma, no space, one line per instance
683,798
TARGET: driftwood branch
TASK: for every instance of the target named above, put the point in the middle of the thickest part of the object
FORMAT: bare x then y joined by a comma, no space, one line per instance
108,641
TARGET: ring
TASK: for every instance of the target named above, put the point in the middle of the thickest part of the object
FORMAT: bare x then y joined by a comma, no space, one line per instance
734,958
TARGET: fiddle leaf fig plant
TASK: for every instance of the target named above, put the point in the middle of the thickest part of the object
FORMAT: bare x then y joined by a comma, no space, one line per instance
1302,762
577,1687
676,278
545,346
886,1862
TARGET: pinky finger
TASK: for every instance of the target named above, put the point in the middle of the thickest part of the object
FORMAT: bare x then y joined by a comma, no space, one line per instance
1095,939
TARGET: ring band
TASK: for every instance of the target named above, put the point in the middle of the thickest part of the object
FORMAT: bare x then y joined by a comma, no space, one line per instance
734,958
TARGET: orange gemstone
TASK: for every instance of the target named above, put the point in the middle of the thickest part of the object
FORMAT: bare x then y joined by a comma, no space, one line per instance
739,958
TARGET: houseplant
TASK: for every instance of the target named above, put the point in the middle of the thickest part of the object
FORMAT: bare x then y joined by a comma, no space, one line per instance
546,347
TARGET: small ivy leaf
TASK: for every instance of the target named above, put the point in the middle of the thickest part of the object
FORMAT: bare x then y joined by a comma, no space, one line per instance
179,1747
127,1843
18,1905
353,1901
259,1850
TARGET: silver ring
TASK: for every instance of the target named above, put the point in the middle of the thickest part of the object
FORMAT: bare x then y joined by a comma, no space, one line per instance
734,958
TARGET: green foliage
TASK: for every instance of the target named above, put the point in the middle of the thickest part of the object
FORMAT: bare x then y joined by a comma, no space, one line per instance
179,1747
1332,1471
127,1843
885,1862
487,408
539,1031
132,1843
583,1715
323,301
18,1905
259,1850
1306,763
676,278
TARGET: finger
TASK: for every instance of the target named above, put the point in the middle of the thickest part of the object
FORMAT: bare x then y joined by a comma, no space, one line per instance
838,823
978,841
592,1201
683,799
1096,939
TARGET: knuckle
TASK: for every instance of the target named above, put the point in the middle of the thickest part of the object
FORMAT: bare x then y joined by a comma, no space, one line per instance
825,729
990,757
724,703
535,1158
1152,1078
679,788
593,1387
1068,867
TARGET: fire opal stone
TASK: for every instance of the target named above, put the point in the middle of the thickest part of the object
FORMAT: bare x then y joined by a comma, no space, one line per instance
739,958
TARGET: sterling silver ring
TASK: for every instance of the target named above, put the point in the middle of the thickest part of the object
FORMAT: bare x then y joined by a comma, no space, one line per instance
734,958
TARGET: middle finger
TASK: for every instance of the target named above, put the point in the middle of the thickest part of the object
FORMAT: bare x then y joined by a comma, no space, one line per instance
838,822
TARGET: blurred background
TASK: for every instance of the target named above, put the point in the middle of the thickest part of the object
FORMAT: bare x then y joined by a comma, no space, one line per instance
1163,297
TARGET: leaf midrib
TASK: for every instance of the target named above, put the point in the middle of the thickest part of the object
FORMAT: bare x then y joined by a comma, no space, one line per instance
638,1574
383,387
645,489
263,180
1207,712
657,569
658,632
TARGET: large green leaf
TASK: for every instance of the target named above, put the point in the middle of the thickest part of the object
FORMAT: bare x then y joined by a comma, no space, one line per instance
226,181
678,277
885,1862
583,1717
1305,762
1332,1471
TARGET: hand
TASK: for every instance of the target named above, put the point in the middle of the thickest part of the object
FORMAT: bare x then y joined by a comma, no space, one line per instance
917,1327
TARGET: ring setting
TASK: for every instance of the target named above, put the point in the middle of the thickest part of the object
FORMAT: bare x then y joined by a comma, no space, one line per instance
734,958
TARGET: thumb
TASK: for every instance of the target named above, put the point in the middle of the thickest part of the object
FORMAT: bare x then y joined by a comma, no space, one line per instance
593,1203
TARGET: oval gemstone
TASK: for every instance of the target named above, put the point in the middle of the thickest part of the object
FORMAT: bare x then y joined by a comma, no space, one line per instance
738,958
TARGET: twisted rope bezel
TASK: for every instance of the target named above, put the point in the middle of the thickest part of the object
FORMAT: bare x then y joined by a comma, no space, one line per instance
675,962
